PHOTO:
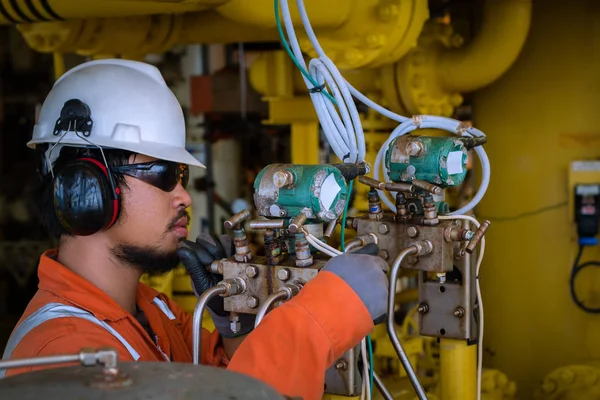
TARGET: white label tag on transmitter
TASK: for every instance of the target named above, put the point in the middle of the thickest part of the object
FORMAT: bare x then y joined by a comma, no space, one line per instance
455,162
329,190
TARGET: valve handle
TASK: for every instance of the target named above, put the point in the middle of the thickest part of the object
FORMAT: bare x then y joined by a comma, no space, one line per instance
478,236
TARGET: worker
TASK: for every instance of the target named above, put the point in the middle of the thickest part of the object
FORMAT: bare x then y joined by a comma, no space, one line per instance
113,165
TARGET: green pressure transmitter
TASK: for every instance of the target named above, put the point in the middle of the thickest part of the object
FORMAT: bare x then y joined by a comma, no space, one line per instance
441,161
285,190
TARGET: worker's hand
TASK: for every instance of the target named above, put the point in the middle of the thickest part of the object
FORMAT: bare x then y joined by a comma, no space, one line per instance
364,273
197,257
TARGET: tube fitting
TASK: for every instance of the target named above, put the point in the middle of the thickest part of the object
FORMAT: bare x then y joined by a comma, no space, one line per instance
292,289
478,236
242,248
303,256
267,224
456,234
390,187
361,240
423,247
429,187
297,223
375,209
233,286
237,219
331,227
216,267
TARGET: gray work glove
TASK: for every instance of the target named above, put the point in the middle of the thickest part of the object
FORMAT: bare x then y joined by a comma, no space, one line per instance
364,272
197,257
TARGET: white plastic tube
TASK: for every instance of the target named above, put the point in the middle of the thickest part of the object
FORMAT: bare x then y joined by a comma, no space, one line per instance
321,246
345,133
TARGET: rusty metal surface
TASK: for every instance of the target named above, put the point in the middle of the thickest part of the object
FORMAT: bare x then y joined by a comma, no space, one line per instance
399,153
266,197
430,187
398,237
267,224
296,274
343,377
478,236
449,305
262,280
236,219
148,381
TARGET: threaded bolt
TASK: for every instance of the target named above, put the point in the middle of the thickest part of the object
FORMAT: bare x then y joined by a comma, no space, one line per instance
423,308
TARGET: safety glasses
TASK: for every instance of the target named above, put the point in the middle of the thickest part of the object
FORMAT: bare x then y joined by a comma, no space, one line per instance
164,175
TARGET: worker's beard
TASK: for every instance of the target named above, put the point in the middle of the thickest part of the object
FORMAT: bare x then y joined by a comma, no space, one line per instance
147,259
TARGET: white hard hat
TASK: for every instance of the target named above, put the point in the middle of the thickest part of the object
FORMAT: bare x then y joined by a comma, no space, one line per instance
130,108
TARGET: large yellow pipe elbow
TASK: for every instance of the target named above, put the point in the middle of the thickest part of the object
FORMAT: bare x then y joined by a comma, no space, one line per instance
432,76
493,50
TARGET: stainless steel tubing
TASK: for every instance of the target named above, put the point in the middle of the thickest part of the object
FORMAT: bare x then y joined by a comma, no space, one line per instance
197,321
390,322
262,311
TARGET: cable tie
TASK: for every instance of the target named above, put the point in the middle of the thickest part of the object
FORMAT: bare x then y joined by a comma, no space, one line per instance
316,89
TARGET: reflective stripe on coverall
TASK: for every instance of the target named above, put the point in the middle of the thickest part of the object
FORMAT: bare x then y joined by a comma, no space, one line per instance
290,350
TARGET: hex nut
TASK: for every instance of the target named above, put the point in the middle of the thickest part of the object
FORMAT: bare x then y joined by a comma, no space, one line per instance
283,274
412,231
383,229
251,272
251,302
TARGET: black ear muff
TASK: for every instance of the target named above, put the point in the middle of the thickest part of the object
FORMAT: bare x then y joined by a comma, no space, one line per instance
86,199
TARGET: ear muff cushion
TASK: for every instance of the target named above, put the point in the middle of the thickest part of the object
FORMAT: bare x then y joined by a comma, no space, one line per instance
83,198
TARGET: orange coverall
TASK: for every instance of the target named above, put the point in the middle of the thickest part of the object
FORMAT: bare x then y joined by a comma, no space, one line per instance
290,350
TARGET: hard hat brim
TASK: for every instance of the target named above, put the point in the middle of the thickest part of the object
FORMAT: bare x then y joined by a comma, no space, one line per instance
156,150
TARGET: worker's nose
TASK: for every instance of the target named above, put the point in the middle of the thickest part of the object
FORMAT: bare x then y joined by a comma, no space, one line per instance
181,197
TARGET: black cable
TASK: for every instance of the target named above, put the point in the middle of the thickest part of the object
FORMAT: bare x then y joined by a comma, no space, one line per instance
576,270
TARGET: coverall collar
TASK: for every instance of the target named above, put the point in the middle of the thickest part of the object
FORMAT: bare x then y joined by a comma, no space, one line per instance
74,289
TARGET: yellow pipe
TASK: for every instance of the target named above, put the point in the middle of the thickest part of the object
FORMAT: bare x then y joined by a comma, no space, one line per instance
260,13
407,296
493,50
59,64
305,143
212,27
354,34
138,35
261,76
458,370
24,11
